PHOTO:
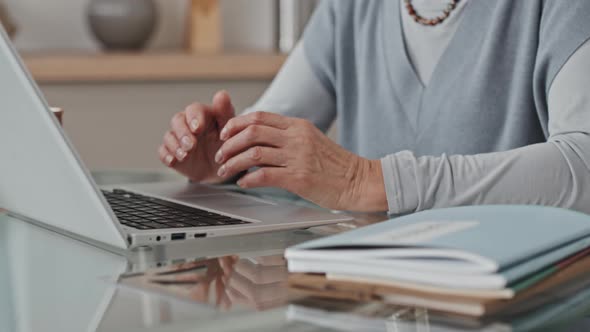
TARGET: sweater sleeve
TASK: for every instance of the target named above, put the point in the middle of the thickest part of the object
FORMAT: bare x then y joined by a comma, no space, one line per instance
297,92
555,173
303,88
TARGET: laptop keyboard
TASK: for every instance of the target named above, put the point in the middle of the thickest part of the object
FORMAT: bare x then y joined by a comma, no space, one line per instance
143,212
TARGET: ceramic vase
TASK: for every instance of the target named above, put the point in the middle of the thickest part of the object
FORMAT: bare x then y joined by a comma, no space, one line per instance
121,25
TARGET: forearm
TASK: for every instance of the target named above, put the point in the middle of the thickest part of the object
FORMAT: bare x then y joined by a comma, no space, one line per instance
555,173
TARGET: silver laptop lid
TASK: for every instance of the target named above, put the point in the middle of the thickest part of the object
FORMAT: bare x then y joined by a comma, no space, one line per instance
41,176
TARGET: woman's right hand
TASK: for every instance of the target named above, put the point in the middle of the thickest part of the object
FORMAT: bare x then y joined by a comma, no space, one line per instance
190,145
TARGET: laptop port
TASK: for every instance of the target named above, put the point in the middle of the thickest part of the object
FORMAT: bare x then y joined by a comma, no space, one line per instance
178,236
198,235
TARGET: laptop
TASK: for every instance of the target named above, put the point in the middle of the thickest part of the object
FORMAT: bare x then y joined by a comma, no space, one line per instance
44,181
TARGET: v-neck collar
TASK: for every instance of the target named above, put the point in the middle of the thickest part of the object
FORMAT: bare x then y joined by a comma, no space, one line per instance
394,28
422,63
404,78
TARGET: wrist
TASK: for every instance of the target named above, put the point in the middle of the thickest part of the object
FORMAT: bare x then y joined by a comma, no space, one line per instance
369,190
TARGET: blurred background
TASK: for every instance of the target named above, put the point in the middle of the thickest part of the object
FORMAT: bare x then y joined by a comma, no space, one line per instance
121,68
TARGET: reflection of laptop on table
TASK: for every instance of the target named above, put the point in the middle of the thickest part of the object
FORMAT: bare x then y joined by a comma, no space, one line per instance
43,179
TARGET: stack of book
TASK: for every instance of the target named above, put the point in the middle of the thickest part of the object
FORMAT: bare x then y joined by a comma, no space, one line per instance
470,261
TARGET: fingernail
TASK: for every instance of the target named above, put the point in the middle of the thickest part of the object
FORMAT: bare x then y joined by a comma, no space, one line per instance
180,154
187,143
219,156
222,171
240,183
224,133
194,125
169,159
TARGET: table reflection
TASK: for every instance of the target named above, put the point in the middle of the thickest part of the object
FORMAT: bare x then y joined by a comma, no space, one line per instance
51,283
227,282
565,313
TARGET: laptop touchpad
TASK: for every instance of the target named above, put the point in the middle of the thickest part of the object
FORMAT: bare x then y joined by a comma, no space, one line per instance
227,200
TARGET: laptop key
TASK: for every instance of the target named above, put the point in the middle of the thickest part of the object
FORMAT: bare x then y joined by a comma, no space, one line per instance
205,219
144,228
142,222
166,221
220,217
210,214
199,224
197,218
235,222
217,223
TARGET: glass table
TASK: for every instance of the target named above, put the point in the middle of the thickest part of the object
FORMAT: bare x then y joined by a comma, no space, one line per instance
49,282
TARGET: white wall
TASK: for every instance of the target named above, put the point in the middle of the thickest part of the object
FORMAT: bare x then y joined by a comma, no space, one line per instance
61,24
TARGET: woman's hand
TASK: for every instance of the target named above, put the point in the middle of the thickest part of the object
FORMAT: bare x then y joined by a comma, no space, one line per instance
190,145
294,155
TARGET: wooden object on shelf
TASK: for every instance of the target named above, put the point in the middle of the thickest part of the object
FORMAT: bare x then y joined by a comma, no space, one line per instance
6,20
204,27
152,67
59,114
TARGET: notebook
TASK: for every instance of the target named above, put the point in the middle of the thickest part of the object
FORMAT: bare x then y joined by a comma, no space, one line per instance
477,248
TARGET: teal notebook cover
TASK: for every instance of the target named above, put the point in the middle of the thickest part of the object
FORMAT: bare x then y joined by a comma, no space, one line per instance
518,239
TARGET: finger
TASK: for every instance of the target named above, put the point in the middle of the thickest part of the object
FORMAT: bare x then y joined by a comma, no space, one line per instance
227,265
173,146
198,118
240,123
165,156
223,108
182,132
189,277
219,292
255,156
265,177
251,136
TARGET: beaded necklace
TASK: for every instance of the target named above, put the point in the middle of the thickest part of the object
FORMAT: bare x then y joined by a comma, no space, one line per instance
431,21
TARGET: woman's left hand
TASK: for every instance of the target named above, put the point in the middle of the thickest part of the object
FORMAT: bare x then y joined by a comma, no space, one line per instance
294,155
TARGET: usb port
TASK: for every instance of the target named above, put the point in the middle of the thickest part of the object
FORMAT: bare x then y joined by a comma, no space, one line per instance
198,235
178,236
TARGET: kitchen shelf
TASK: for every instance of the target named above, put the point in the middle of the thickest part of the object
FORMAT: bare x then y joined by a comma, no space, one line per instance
124,67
